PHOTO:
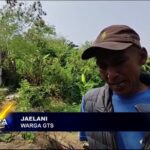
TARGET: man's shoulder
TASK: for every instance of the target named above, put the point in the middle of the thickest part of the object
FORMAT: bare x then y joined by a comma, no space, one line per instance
96,100
95,91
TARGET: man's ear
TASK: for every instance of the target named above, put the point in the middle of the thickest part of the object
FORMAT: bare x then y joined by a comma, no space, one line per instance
143,56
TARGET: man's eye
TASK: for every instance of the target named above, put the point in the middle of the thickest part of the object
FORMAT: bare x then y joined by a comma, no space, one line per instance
102,66
119,62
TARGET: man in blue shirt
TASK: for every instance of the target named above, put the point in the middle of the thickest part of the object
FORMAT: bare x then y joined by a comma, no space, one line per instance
119,56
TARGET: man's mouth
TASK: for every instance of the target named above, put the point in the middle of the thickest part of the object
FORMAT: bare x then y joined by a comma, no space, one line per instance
118,85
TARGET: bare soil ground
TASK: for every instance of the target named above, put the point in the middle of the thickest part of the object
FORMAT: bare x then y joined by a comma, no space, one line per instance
45,140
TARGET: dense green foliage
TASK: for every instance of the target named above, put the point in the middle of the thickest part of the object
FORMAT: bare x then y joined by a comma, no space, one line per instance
44,68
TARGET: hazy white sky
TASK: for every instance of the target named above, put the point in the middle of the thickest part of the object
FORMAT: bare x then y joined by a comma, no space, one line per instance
83,20
80,21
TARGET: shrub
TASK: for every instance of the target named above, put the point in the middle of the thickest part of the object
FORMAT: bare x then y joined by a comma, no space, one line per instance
29,136
24,101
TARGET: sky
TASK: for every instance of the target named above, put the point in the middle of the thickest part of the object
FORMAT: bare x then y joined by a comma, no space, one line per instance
81,21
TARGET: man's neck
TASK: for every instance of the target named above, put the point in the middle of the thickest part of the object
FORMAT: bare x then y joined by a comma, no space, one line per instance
141,87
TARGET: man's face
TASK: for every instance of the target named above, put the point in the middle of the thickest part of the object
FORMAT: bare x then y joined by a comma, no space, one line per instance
121,69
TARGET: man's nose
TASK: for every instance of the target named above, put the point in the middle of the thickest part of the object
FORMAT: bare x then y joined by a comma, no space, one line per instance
112,74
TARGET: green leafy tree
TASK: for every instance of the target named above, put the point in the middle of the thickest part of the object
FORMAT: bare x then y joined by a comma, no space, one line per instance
43,65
